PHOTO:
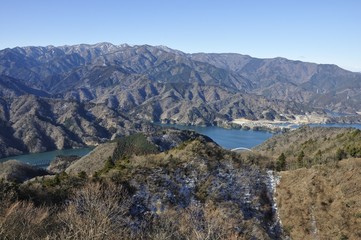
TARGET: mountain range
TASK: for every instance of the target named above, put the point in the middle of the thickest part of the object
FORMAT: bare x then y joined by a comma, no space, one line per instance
71,96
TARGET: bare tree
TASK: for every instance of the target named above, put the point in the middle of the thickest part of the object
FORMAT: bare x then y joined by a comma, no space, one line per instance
22,220
97,211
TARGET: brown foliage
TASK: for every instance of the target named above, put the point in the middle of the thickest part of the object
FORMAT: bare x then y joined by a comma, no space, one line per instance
97,211
308,146
322,202
22,220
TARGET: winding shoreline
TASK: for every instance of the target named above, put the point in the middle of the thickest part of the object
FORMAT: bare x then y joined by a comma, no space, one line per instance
277,125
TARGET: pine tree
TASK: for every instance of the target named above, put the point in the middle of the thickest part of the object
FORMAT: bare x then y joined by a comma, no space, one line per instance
340,154
300,159
281,162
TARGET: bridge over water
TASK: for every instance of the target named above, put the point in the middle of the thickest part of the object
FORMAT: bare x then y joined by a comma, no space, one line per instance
241,149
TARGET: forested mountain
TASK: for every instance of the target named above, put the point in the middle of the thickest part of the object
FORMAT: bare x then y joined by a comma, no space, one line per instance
87,70
74,95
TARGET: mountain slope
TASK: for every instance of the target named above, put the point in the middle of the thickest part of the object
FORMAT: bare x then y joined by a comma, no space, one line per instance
11,87
109,89
318,192
307,146
62,69
192,190
320,85
36,124
322,202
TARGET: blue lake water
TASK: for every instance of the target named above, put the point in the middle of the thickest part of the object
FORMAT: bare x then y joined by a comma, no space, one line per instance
227,138
43,159
234,138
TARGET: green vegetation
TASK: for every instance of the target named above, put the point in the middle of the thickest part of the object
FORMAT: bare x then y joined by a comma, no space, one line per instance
193,191
196,190
281,162
195,199
136,144
109,164
300,157
341,154
308,146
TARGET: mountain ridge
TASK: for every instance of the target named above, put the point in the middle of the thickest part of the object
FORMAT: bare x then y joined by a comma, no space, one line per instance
158,84
164,47
245,69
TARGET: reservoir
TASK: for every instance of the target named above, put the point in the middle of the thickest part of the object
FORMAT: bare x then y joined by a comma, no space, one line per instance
234,138
227,138
43,159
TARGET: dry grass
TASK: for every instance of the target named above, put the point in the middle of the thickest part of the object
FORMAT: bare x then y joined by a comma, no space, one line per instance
323,202
318,145
94,161
22,220
97,211
199,188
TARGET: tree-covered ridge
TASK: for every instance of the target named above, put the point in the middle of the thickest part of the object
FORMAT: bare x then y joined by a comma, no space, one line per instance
136,144
181,185
142,196
308,146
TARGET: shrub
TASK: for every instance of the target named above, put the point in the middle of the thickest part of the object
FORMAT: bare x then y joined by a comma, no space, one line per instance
22,220
96,211
300,157
136,144
281,162
340,154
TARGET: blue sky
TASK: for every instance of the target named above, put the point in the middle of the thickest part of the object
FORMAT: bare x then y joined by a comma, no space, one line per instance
321,31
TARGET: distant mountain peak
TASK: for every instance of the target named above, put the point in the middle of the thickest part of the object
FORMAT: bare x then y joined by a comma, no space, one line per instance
108,84
168,49
59,69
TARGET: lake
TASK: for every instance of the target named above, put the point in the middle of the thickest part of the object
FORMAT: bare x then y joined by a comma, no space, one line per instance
229,138
43,159
234,138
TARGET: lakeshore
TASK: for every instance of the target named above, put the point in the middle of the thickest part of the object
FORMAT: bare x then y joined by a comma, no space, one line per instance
278,125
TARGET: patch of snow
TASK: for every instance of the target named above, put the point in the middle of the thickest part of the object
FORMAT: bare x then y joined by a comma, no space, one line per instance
273,181
314,224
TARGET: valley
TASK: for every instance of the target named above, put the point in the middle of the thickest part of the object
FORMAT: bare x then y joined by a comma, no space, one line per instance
147,180
73,96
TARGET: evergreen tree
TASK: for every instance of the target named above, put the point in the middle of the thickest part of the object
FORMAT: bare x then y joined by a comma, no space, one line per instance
281,162
340,154
300,159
